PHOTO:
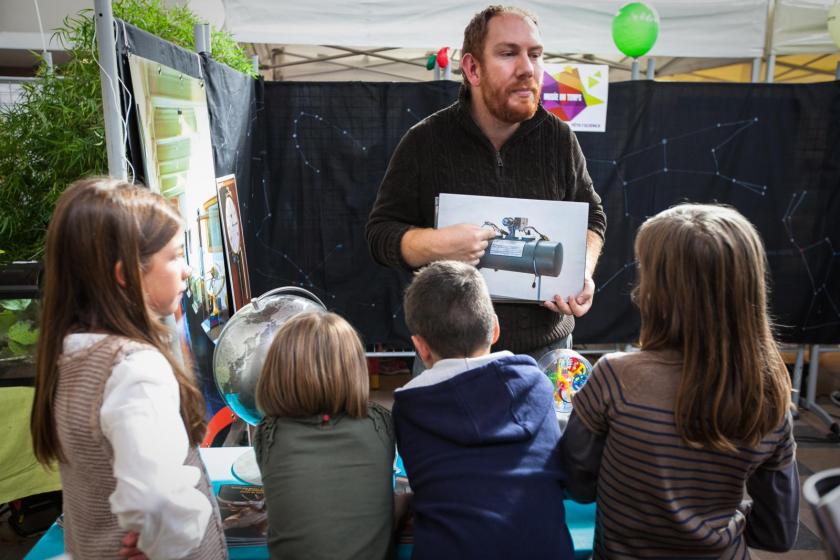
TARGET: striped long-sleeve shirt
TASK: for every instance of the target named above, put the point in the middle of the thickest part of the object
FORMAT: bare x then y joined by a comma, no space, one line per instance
659,498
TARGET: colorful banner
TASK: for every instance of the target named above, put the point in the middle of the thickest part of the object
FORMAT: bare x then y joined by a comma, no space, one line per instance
577,93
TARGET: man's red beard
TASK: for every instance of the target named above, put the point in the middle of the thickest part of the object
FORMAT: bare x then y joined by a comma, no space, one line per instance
497,102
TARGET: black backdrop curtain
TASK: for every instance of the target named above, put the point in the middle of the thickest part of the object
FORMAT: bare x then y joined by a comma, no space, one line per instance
772,151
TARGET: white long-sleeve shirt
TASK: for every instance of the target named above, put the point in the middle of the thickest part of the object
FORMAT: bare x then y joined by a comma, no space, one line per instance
156,493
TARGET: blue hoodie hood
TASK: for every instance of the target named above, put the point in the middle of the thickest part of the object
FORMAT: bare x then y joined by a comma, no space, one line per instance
521,395
481,453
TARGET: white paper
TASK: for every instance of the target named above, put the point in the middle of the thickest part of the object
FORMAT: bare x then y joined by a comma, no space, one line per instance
563,222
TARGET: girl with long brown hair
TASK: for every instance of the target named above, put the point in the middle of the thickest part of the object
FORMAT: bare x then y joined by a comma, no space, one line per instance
120,416
325,453
670,439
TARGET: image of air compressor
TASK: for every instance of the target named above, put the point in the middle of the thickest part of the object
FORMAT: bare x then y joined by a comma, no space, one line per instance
522,248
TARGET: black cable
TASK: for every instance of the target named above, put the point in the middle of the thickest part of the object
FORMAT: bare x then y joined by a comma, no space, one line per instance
529,229
496,228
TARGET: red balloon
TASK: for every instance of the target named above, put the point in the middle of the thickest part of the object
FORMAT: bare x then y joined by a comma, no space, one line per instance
443,57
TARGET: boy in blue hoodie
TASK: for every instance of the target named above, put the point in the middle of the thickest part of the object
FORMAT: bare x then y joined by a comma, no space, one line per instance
477,431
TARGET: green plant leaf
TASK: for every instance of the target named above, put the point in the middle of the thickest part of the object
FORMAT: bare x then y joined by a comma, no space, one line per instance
17,349
15,304
55,133
23,333
7,319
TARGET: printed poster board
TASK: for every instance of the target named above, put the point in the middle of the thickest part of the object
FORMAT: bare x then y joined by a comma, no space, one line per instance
540,245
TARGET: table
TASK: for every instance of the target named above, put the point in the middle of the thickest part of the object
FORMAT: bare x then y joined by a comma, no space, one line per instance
579,517
20,473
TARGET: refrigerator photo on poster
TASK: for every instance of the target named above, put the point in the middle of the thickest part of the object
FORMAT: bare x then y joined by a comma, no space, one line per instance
174,130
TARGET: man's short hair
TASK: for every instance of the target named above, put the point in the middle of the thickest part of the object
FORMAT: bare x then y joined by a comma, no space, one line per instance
475,34
449,306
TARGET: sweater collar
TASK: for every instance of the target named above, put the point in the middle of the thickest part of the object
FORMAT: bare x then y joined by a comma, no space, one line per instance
446,369
466,119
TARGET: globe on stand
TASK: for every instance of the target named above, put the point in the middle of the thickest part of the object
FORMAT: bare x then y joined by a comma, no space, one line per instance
240,353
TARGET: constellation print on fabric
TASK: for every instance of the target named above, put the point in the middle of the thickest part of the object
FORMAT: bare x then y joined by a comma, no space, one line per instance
303,275
341,131
413,114
709,166
829,253
615,275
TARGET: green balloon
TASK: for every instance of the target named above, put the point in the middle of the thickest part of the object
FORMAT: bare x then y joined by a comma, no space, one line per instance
635,28
430,62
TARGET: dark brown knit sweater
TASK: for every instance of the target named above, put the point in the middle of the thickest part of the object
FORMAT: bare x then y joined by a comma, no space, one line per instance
448,153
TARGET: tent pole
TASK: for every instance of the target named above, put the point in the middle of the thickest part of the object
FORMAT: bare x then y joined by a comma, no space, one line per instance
837,71
769,55
756,70
634,70
201,34
109,78
255,64
650,73
771,69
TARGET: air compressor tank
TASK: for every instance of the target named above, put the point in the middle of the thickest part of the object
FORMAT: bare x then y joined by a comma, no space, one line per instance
532,256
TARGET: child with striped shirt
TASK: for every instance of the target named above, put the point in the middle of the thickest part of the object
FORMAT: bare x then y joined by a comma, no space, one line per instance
687,445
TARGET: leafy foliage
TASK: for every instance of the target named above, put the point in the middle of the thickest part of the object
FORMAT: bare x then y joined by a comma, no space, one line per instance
55,134
18,333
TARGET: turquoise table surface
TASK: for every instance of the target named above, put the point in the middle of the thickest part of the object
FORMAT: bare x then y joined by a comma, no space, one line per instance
579,517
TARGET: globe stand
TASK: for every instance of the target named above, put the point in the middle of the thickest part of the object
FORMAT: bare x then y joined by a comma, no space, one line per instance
245,468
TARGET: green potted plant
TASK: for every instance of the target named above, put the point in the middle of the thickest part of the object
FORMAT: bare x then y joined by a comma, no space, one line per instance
55,133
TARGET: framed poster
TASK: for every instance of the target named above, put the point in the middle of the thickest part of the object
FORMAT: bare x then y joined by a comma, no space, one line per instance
234,241
175,135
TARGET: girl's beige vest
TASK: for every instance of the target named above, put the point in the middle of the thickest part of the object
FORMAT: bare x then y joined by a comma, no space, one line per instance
90,529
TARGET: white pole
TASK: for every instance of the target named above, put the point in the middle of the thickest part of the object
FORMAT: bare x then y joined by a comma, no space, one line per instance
771,69
255,64
650,73
634,69
837,71
107,49
769,55
201,34
756,70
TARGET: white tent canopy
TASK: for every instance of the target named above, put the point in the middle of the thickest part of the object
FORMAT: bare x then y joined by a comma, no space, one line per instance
394,37
689,28
799,26
695,28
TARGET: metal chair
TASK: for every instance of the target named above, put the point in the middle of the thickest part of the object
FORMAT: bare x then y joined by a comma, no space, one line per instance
822,492
810,402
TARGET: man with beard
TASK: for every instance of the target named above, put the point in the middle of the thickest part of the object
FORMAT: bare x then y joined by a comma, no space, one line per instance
496,140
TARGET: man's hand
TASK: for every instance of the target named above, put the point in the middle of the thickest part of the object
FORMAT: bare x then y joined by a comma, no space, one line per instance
129,549
578,305
461,242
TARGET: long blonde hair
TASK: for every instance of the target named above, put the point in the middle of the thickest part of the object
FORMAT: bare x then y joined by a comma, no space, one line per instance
97,223
702,291
316,365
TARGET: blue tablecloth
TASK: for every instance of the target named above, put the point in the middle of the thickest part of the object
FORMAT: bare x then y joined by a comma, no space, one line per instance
579,517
